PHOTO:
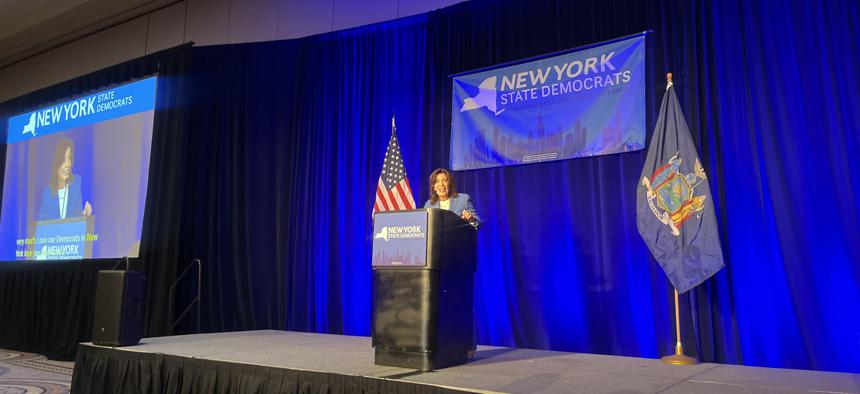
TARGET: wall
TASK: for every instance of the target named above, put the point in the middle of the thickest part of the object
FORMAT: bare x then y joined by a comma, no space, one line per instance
205,22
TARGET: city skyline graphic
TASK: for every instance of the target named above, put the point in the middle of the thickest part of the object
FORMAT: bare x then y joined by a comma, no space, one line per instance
382,258
542,144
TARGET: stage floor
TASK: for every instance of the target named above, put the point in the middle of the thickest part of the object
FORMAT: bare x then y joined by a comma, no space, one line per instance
494,369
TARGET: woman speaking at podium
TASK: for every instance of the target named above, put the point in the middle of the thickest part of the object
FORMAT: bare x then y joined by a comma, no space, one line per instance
443,194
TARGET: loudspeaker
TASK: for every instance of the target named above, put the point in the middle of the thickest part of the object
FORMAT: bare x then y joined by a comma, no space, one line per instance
119,308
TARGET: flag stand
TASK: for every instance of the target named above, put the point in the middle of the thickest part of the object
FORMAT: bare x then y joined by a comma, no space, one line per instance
672,200
678,358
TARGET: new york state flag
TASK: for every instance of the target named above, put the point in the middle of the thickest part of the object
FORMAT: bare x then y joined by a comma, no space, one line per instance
674,207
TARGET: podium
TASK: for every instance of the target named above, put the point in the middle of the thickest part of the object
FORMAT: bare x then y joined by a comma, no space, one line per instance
424,261
63,239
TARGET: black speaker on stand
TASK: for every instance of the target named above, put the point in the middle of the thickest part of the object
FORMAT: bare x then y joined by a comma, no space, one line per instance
120,306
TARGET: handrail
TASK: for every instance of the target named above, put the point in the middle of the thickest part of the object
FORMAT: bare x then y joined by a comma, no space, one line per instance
196,300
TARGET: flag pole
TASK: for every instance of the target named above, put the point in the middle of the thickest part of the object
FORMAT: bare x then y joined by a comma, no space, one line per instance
678,358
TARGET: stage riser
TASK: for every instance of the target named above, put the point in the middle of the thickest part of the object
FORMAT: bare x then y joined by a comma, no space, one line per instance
106,370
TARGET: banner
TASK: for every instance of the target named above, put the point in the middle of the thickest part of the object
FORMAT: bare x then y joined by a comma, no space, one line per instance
583,103
114,103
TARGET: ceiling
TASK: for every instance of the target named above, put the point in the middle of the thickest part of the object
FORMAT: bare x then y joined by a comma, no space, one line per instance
30,27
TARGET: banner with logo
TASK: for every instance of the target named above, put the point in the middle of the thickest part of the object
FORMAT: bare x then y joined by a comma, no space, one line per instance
582,103
400,239
109,104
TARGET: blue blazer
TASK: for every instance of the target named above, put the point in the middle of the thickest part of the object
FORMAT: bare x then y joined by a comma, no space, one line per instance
50,208
458,205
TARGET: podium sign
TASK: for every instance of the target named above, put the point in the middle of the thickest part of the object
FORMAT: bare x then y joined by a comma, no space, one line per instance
400,240
63,239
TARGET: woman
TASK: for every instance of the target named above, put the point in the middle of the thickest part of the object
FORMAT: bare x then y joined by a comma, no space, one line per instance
443,194
62,197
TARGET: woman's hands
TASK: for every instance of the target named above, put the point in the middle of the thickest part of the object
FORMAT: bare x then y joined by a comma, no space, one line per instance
467,215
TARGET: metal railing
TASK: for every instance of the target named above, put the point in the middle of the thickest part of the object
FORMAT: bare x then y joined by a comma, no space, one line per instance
196,300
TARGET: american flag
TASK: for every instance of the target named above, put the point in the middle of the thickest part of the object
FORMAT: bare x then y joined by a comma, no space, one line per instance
392,191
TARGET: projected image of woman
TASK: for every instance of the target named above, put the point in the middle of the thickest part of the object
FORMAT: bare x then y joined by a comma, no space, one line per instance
62,197
443,194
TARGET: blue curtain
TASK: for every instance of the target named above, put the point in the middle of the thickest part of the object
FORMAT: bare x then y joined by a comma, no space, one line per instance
288,139
780,128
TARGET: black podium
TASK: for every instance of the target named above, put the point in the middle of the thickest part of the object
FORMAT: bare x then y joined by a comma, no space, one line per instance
423,266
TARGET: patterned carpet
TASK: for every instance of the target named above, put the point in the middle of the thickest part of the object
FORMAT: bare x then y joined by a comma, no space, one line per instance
27,373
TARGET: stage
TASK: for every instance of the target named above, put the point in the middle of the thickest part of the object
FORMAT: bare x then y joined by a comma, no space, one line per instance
281,361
